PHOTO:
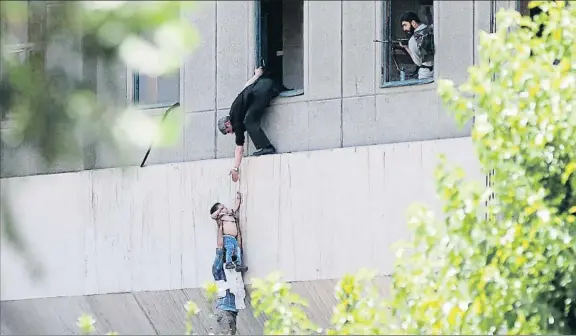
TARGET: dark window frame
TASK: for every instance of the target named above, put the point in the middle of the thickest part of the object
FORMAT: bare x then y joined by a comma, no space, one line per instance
135,98
134,91
261,40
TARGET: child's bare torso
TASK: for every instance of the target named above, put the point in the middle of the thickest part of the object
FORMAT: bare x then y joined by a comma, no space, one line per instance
229,225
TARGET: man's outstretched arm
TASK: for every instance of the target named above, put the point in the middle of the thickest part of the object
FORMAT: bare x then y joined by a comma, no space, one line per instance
237,202
238,154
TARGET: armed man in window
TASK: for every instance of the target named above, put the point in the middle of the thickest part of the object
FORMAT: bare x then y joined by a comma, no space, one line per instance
420,44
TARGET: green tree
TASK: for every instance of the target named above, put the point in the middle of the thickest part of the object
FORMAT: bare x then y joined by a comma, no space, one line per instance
54,111
502,258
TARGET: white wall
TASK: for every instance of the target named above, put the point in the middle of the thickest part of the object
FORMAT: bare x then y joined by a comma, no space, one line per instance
310,215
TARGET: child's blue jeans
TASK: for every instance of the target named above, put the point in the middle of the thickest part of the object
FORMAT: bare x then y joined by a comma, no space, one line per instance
231,246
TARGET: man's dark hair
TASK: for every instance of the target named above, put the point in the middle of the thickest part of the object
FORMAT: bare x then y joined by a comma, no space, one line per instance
409,17
214,207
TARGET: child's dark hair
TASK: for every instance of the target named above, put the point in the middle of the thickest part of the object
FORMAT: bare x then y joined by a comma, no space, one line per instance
214,207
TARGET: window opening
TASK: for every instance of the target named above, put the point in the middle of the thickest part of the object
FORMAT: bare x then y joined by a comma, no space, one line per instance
21,36
280,43
155,91
522,6
399,68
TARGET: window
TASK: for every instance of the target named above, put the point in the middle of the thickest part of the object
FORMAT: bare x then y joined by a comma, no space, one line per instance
21,33
493,11
398,67
28,25
160,91
280,43
522,6
154,91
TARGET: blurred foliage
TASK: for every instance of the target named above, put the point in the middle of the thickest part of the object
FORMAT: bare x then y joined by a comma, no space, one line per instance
284,309
86,324
191,310
359,309
59,69
53,108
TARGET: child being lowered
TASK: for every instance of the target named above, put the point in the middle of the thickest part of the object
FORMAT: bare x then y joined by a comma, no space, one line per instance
227,220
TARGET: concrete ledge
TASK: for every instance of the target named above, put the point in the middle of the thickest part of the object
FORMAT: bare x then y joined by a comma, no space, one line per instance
150,313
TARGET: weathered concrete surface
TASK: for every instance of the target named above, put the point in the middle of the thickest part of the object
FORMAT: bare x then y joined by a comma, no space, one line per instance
311,215
343,104
151,313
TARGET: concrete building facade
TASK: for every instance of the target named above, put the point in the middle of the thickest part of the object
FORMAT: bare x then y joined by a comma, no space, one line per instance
356,149
352,95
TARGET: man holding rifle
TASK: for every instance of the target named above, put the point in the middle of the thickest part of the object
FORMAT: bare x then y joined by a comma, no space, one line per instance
420,43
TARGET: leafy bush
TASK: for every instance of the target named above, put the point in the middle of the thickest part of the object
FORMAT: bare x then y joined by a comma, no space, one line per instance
502,258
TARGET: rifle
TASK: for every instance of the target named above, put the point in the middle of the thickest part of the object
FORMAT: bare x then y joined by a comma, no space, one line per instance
399,41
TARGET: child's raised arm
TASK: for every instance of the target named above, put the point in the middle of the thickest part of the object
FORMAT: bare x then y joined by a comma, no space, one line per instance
239,236
237,202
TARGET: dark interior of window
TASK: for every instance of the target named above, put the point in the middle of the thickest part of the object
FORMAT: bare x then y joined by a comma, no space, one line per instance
398,65
281,41
524,9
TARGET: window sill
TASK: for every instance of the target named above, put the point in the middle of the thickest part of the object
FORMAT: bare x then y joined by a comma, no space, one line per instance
281,100
152,110
409,82
152,106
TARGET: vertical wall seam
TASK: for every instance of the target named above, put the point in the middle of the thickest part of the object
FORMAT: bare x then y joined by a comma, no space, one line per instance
249,18
377,55
492,16
474,58
474,41
306,34
278,235
215,79
341,73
